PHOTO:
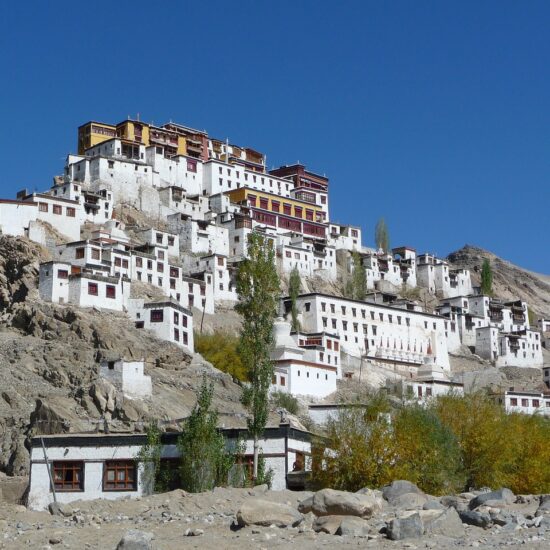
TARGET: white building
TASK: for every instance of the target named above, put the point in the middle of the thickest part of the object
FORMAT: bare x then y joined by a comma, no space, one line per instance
304,364
128,377
92,466
167,319
429,383
396,336
439,278
53,283
527,402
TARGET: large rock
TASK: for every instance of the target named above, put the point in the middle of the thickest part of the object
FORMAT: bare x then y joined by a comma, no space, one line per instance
544,506
405,527
409,501
256,511
352,526
447,523
399,487
494,499
329,502
327,524
471,517
306,505
136,540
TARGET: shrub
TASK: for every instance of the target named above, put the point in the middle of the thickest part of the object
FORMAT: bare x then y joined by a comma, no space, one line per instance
220,349
285,401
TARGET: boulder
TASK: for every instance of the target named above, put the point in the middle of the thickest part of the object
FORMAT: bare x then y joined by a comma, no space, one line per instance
495,499
457,502
305,505
352,526
471,517
544,506
329,502
398,488
433,505
405,527
256,511
409,501
447,523
59,509
327,524
136,540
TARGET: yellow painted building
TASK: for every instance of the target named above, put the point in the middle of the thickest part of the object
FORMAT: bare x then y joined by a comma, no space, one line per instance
277,204
94,133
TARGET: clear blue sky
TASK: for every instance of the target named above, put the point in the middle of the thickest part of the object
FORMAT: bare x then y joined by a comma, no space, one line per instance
435,115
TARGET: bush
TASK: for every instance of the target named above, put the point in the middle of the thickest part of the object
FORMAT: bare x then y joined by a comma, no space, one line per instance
205,462
220,349
285,401
457,443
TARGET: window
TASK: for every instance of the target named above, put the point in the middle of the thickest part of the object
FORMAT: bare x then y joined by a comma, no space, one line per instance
160,267
92,289
170,241
336,346
139,262
62,274
297,211
525,402
161,255
43,206
110,291
118,261
220,261
157,315
71,212
185,339
536,403
125,264
176,335
159,238
95,253
79,253
288,254
119,475
68,476
57,209
283,381
307,306
514,402
176,318
287,209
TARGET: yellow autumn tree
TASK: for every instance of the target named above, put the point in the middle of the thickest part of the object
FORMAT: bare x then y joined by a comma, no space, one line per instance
220,349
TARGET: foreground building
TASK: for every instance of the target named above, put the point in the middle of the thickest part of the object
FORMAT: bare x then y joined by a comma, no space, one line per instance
91,466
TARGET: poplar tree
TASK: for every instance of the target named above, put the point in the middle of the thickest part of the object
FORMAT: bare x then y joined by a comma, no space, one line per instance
486,278
258,290
381,236
294,284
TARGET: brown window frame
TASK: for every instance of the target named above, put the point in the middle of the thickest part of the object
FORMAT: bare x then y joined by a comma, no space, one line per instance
64,466
91,287
57,209
110,291
128,484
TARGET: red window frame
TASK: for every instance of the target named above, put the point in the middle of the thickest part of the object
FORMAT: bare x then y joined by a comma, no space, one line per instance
110,291
157,315
93,289
68,476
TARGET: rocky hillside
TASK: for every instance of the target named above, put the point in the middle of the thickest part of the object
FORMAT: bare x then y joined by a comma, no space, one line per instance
509,280
49,358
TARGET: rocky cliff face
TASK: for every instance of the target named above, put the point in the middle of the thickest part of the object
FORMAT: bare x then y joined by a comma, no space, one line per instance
509,280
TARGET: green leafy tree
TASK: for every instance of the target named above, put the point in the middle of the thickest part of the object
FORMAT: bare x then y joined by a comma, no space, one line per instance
149,460
381,236
205,461
294,285
286,401
486,278
356,286
258,290
220,349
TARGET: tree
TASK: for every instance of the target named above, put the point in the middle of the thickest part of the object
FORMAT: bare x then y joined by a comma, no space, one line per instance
220,349
294,285
356,286
205,462
486,278
258,290
381,236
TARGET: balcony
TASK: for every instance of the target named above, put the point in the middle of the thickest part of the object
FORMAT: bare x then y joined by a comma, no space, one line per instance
305,196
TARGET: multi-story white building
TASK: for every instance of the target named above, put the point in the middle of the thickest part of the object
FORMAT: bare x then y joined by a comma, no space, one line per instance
397,336
527,402
167,319
438,277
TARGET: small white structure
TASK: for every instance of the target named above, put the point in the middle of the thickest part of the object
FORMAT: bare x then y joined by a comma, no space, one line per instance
308,367
91,466
527,402
53,283
430,382
128,377
167,319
